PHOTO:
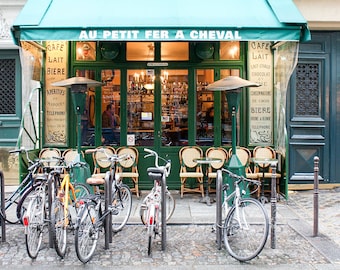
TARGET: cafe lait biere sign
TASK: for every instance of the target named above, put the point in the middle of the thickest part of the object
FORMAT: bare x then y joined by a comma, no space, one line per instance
155,34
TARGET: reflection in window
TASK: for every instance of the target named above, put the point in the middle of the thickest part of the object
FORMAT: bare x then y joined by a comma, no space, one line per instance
205,107
87,118
175,51
229,50
226,115
110,106
174,107
140,106
140,51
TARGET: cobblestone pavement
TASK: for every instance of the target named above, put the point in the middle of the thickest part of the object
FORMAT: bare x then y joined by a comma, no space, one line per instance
192,245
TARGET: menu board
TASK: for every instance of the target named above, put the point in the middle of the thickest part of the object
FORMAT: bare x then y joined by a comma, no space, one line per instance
260,61
56,97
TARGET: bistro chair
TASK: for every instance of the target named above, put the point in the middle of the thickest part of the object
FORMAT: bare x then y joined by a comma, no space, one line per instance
49,154
215,152
264,169
190,169
244,155
100,166
128,168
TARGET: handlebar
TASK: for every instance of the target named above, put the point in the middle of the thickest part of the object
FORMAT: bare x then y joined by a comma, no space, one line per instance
166,167
110,157
240,177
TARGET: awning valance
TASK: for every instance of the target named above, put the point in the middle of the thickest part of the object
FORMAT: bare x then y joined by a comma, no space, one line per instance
154,20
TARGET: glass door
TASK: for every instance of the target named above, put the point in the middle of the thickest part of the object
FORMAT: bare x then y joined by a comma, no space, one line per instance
157,107
141,107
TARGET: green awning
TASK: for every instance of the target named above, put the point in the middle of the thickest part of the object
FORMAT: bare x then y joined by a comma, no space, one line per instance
155,20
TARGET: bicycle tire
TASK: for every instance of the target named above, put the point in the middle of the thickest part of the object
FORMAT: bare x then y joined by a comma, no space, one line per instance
170,207
122,204
149,245
246,244
86,233
59,228
24,201
81,191
34,229
10,212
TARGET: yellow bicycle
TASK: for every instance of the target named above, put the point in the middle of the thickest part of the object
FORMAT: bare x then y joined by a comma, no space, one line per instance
64,204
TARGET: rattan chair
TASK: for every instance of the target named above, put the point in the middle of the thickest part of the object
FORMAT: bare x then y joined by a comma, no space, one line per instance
49,154
128,168
244,155
264,170
190,169
215,152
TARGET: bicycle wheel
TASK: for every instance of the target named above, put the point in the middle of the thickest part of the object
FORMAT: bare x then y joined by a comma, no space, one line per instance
121,204
86,233
10,211
81,190
34,224
246,229
24,201
59,227
170,207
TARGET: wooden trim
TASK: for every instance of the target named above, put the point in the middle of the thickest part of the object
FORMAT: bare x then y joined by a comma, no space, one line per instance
311,186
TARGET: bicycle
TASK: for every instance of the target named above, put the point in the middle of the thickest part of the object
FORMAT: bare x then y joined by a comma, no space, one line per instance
18,198
97,212
246,226
37,216
154,202
67,194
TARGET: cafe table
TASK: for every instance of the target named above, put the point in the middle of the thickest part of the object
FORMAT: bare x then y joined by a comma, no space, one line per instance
205,161
262,164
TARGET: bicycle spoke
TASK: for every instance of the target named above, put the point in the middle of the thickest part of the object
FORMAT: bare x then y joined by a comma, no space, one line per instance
246,230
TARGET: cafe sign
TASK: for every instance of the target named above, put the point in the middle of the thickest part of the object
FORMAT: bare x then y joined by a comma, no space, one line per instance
260,59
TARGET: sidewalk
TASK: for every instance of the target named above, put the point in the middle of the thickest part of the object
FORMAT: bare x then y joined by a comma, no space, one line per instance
191,242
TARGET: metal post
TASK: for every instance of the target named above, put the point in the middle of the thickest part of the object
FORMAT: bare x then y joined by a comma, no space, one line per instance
219,209
316,196
163,213
273,201
2,220
107,222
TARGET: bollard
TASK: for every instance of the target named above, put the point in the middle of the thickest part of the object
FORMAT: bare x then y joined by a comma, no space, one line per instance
2,194
219,209
316,197
273,201
163,210
108,218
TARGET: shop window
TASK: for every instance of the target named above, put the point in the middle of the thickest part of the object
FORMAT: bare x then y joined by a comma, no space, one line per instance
140,51
229,50
174,107
174,51
205,107
110,106
140,107
86,51
225,114
87,117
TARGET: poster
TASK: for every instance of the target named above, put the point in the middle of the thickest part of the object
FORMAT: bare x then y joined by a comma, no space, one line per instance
56,97
260,60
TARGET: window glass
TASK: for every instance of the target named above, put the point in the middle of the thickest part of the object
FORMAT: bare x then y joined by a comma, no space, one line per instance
174,107
140,51
205,107
229,50
175,51
88,114
110,106
140,107
225,114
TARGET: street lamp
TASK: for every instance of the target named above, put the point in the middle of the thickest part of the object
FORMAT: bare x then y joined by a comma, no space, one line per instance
78,87
232,85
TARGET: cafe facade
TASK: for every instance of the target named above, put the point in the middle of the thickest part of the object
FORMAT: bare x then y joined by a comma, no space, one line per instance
154,63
